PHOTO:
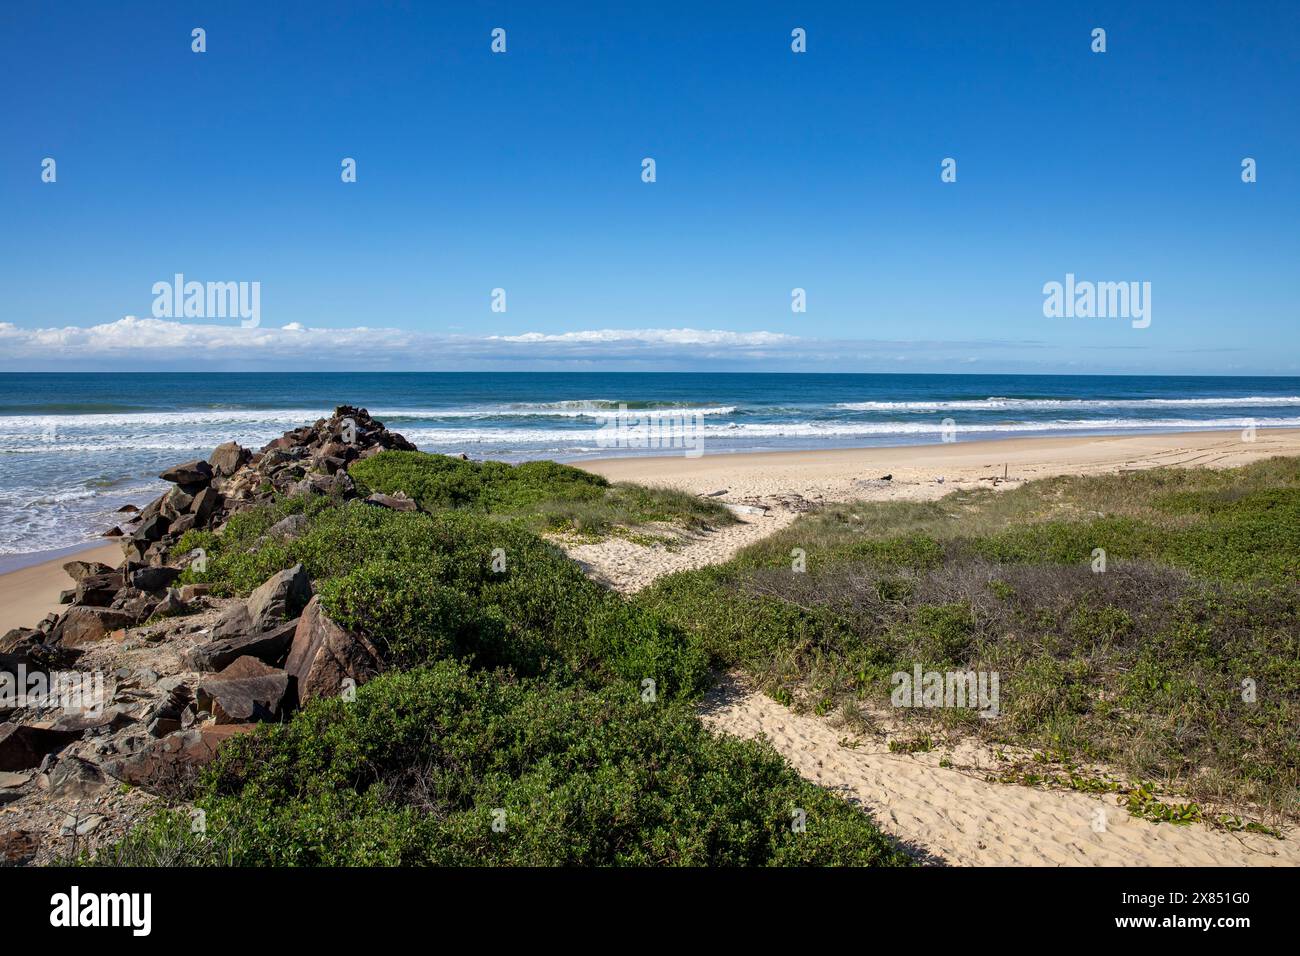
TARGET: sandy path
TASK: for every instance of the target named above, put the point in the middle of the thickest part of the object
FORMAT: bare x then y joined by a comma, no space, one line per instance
944,814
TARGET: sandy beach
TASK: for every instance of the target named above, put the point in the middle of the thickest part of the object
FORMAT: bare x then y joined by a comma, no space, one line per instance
780,483
29,593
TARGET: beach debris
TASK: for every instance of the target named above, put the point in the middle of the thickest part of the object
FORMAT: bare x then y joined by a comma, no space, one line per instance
888,477
714,494
745,509
938,479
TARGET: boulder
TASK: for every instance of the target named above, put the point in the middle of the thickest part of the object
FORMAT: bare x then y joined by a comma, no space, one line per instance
245,691
23,747
280,598
269,647
189,473
397,502
228,458
323,655
75,777
205,504
288,528
83,625
166,764
151,528
154,579
98,589
79,569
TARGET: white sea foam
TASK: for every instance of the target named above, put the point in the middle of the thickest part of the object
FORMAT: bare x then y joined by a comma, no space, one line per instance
1049,404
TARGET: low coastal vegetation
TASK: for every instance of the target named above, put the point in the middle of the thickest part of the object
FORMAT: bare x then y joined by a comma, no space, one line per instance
1146,621
527,715
543,495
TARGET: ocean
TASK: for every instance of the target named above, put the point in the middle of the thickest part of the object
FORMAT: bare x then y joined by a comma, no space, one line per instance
75,447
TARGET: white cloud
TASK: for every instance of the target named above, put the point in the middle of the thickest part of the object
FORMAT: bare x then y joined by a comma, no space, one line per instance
150,343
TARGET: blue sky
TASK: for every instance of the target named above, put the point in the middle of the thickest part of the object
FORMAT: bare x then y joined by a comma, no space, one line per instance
775,170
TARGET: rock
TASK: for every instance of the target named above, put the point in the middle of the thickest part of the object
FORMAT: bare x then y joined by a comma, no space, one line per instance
98,589
206,503
67,596
171,606
23,747
75,777
323,655
18,847
228,458
20,637
83,625
177,502
269,647
151,528
191,591
166,764
234,622
128,509
110,719
280,598
9,780
113,532
79,824
162,726
154,579
181,525
398,502
245,691
79,569
190,473
289,528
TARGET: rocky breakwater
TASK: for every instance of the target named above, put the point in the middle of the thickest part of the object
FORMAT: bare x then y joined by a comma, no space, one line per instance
161,675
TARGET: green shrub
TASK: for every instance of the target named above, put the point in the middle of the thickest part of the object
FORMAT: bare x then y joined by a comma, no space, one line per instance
415,770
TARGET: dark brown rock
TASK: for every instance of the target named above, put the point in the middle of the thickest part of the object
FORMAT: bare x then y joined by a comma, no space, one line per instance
84,625
245,691
163,765
280,598
323,655
228,458
206,503
154,579
99,589
79,569
23,747
270,647
18,847
189,473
